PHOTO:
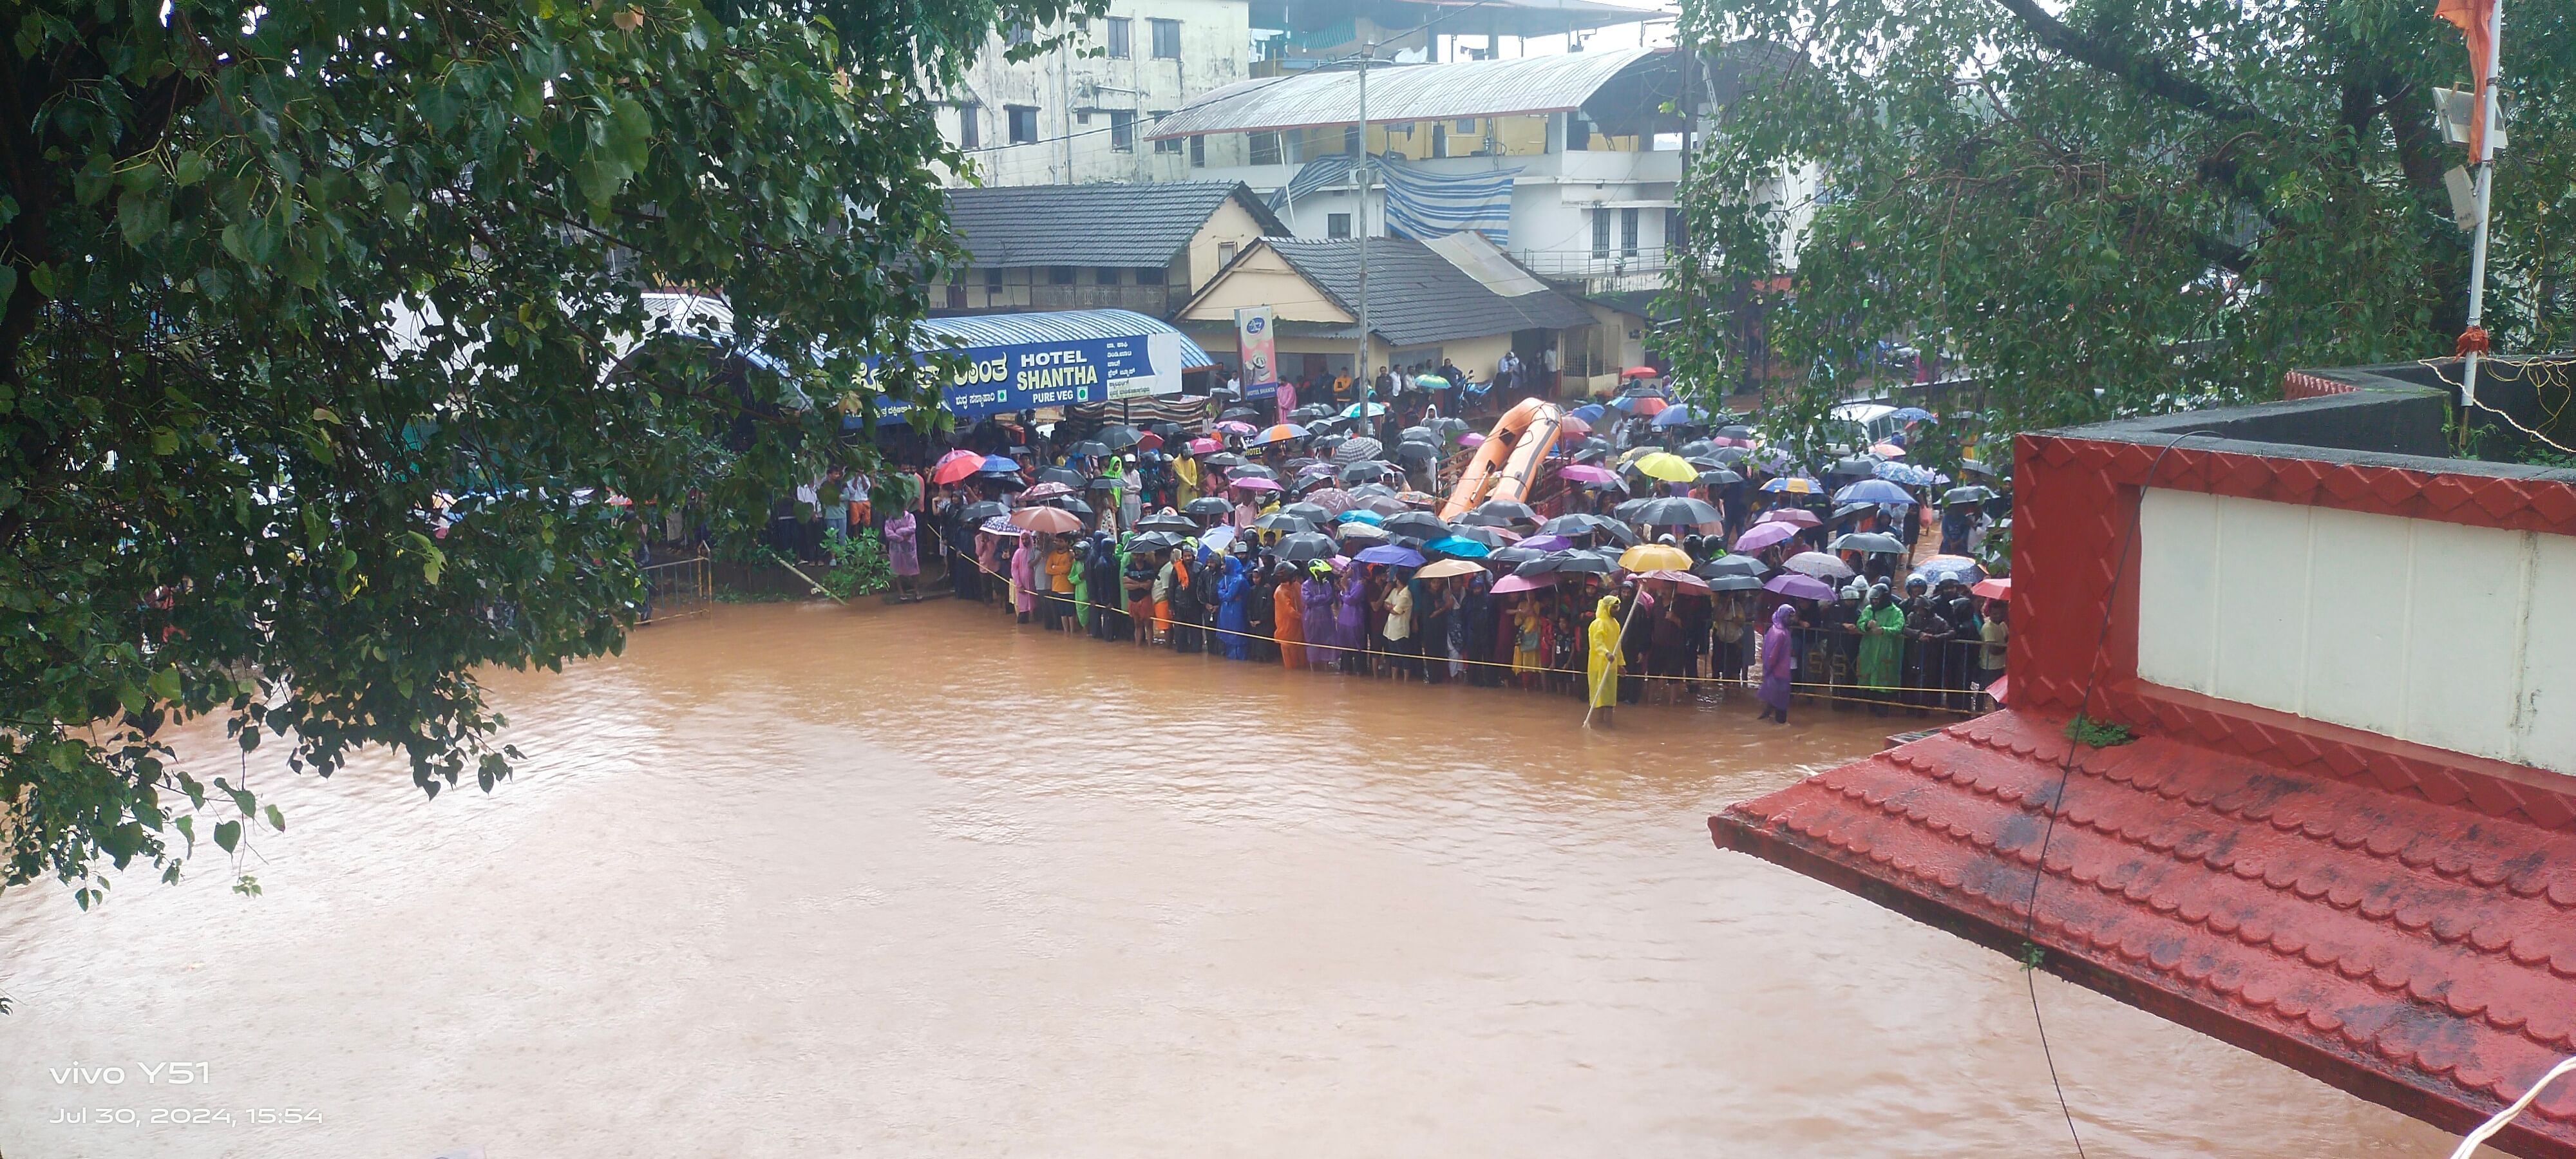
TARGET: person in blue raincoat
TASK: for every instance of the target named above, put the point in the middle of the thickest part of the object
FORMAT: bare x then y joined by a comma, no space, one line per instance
1231,620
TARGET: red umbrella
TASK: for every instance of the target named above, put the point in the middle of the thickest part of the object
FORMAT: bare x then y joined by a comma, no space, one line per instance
954,466
1648,407
1998,588
1639,372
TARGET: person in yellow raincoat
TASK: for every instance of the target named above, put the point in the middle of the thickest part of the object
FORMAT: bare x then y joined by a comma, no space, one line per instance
1602,669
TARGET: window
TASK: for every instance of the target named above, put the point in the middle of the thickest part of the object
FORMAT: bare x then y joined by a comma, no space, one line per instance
1676,232
1198,152
1265,148
1167,144
1108,275
1122,130
1121,40
1337,225
1153,275
1225,251
1059,275
1019,35
970,128
1024,123
993,280
1466,125
1351,139
1628,232
1167,39
1601,233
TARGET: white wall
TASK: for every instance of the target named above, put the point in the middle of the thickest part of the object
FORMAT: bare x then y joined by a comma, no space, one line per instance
2462,638
1068,88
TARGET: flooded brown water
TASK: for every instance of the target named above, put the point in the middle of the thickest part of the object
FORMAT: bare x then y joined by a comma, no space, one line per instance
805,881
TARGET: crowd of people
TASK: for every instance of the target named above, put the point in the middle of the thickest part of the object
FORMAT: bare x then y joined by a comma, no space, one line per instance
1664,559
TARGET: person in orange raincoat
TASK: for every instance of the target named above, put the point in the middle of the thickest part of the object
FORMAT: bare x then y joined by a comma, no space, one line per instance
1289,612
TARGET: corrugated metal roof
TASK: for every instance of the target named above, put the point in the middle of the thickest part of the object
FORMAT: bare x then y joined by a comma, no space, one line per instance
1409,92
1107,224
1057,326
1418,297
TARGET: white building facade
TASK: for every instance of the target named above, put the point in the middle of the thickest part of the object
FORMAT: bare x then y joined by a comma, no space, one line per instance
1077,113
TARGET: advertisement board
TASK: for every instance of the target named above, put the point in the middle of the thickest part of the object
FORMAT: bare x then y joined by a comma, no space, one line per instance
1025,376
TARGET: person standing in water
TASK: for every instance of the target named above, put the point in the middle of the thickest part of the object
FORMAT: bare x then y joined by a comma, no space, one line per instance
1601,668
1779,665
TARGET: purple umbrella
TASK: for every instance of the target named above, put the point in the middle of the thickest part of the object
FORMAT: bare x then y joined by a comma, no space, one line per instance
1800,587
1762,535
1548,543
1391,554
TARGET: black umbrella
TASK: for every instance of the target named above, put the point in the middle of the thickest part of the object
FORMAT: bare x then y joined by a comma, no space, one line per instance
1364,470
1584,563
1481,518
1238,412
1733,583
1327,444
1969,494
1513,557
1975,467
1207,505
1418,524
1868,541
1156,541
1674,511
1626,512
1419,434
1373,491
1695,447
1860,467
1308,512
1071,504
1167,523
1488,536
1731,454
1065,475
1536,565
1088,448
1416,452
1735,432
1104,482
1306,547
1251,471
1509,509
1449,428
1118,436
1357,450
1743,565
979,512
1302,462
1719,477
1281,521
1570,526
1591,454
1226,459
1312,410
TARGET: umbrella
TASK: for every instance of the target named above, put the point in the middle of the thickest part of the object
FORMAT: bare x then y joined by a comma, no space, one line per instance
1481,519
1489,536
1589,412
1800,587
1355,450
1420,499
1202,446
1357,530
1910,414
1225,459
1257,483
956,467
1308,512
1119,436
1871,542
1065,475
1069,503
1586,474
1573,525
1365,470
1793,516
1737,431
1046,519
1280,433
1418,524
1471,439
1458,545
1305,547
1103,483
1001,525
1156,541
1449,567
1046,490
1432,382
1640,372
1217,538
1523,583
1207,505
1160,522
1088,449
1353,411
1234,426
1586,563
1675,416
1333,499
1791,485
1873,491
1312,410
1762,535
1676,511
1664,465
1887,450
1734,583
1251,471
988,509
1361,515
1976,466
1682,578
1730,454
1654,557
1449,426
1570,425
1817,564
1999,588
1509,510
1390,554
1419,434
1281,521
1947,567
1641,405
1315,471
1382,504
1909,475
1719,477
1858,467
1968,494
1733,565
1415,453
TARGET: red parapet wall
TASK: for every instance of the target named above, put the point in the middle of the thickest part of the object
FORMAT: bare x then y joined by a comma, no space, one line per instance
2301,384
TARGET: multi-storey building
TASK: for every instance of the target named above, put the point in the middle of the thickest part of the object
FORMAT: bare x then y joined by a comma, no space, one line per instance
1076,113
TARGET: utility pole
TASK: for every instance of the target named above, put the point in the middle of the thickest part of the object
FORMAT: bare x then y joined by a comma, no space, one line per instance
2485,161
1360,178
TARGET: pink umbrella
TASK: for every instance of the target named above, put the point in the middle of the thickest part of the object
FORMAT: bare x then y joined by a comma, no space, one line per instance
1256,484
1233,427
1683,578
1587,473
1333,499
1800,587
1471,439
1762,535
1046,491
1203,446
1570,425
1725,441
1888,451
1524,583
1794,516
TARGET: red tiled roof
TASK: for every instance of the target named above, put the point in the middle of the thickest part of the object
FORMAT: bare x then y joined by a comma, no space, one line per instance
2417,953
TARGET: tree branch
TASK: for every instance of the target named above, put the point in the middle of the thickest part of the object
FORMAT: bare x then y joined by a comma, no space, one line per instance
2147,75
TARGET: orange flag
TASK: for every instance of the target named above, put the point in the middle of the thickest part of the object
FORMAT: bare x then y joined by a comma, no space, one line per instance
2476,20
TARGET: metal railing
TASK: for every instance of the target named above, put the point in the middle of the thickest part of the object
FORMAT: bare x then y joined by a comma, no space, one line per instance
677,589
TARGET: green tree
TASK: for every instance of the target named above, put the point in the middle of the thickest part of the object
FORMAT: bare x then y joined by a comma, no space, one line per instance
2116,205
282,278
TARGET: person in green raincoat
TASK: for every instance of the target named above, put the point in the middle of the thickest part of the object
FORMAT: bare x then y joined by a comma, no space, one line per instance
1882,647
1082,583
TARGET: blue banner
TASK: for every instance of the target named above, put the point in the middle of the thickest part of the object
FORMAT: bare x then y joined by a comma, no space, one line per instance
1024,377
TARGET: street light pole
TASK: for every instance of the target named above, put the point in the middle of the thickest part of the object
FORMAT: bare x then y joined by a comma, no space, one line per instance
1360,177
2485,161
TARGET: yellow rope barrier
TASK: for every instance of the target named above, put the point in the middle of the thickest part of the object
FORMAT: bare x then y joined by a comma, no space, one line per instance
1800,687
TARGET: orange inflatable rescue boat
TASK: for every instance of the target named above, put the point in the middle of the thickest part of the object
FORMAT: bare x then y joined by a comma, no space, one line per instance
1507,466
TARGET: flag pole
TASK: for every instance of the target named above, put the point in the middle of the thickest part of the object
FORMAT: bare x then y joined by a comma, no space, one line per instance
2486,187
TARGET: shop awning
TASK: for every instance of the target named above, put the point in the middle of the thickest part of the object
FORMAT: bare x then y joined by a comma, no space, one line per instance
2415,946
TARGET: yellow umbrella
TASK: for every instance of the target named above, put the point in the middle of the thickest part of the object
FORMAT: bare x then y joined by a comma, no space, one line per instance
1667,466
1655,557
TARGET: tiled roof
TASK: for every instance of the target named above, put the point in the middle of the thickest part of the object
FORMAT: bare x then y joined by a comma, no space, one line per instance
2420,954
1417,297
1136,224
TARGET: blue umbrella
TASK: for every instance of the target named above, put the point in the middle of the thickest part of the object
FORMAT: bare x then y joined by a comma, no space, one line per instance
1588,412
1909,475
1873,491
1941,567
1677,415
1462,548
1911,414
1353,411
1393,555
1361,515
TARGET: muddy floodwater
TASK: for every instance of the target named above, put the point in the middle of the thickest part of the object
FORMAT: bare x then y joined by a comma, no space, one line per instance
806,881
